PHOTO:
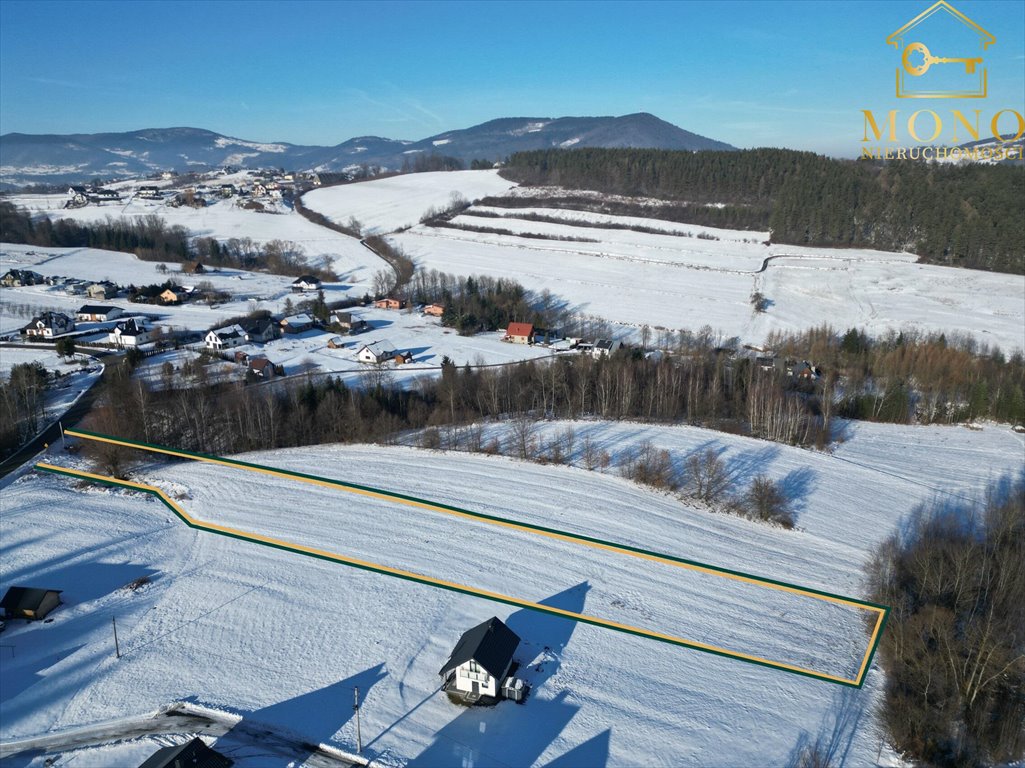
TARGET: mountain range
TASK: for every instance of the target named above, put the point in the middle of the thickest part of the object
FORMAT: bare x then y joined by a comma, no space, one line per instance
49,158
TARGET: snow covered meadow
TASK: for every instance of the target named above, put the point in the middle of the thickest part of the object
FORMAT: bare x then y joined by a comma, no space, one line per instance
280,639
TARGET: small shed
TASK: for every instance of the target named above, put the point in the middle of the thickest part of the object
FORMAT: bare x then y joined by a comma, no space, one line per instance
29,602
435,310
192,754
481,660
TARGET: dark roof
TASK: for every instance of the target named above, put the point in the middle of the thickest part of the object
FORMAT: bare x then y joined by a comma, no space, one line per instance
96,309
193,754
20,599
305,279
491,644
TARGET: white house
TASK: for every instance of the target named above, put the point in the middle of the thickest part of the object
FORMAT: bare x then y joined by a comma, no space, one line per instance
305,284
49,324
226,338
131,333
481,660
375,352
97,313
605,347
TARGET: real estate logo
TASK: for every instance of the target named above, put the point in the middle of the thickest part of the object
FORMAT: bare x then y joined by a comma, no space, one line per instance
942,55
923,75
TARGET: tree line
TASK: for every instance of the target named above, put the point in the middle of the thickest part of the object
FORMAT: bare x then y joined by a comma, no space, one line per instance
954,646
964,215
153,239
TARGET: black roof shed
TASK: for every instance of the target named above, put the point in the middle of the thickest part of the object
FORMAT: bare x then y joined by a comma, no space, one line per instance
192,754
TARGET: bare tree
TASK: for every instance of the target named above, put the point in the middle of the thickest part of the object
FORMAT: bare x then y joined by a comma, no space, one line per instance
707,478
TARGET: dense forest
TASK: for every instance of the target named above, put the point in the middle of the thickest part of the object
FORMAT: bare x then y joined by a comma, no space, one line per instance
957,215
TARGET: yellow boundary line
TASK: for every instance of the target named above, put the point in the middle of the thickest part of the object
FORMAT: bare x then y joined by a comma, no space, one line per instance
383,496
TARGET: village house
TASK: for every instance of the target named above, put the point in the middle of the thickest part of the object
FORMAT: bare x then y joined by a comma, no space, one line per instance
29,602
227,190
19,277
347,321
175,295
261,368
519,333
479,664
376,352
103,196
97,313
605,347
149,193
102,291
434,310
297,323
389,303
131,333
261,330
226,338
78,195
305,284
48,325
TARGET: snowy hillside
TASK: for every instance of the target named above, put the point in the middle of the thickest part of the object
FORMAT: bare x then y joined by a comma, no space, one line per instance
282,639
389,204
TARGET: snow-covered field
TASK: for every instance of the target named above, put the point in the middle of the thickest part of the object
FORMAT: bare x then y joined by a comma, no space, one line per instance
282,639
389,204
686,283
682,282
223,220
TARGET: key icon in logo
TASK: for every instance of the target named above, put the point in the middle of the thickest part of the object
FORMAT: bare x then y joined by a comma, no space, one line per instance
916,70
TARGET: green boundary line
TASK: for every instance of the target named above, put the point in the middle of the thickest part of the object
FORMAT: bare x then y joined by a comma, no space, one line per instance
858,683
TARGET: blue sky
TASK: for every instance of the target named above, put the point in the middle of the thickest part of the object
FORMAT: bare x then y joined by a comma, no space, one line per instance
790,74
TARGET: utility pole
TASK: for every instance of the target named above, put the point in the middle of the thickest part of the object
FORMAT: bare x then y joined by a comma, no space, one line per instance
355,707
117,648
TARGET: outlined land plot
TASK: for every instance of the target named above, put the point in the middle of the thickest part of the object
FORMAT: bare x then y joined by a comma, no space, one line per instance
686,603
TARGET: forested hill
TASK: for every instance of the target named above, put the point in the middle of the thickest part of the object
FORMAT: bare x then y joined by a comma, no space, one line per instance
963,215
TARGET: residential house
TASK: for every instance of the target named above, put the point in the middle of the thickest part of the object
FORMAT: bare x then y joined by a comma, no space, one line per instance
29,602
605,347
435,310
297,323
74,287
305,284
103,196
261,330
519,333
131,333
102,291
176,294
18,277
167,175
194,754
78,195
347,321
259,189
545,335
262,368
226,338
228,190
375,352
481,660
389,303
97,313
149,193
49,325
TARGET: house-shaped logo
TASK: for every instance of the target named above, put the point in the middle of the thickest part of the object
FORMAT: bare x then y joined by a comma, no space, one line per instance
941,55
